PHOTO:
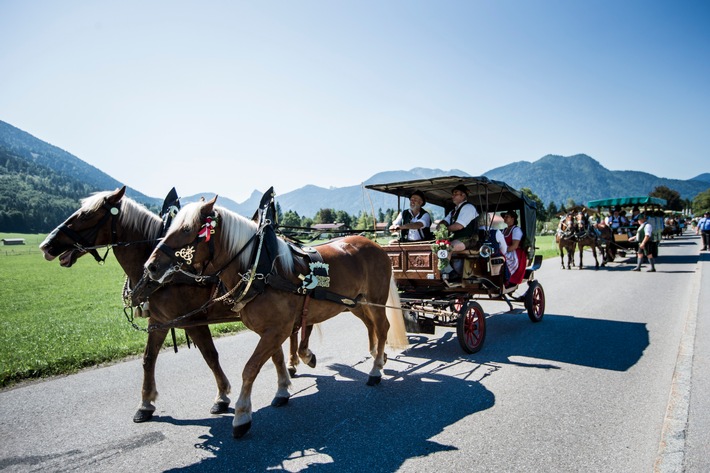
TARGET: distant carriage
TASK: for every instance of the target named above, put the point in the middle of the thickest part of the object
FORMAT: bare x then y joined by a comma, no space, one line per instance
652,207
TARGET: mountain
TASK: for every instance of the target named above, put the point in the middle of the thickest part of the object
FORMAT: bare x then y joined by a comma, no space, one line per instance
41,184
581,178
15,143
705,177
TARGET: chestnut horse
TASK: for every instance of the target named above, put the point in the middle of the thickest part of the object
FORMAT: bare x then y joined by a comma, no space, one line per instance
564,237
112,219
585,235
355,275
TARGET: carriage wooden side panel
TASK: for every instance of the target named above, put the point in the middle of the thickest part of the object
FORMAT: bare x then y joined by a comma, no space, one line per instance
413,261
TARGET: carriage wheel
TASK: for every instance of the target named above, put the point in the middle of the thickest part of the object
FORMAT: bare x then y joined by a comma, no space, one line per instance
471,327
535,301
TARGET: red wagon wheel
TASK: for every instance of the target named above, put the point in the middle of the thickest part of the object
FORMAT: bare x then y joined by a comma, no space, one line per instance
535,301
471,327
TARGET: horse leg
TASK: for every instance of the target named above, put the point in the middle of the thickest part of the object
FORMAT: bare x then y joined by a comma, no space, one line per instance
284,380
202,337
581,254
149,392
293,360
594,253
562,257
269,346
304,352
375,319
298,352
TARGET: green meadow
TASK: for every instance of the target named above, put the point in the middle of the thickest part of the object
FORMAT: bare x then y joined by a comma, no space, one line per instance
56,320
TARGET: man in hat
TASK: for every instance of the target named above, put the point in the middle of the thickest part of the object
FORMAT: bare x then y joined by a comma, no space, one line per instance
615,221
647,246
414,223
461,221
703,229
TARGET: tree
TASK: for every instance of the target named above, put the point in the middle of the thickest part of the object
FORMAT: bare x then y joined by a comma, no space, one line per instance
552,210
701,203
672,197
291,219
279,213
342,216
364,222
540,212
325,216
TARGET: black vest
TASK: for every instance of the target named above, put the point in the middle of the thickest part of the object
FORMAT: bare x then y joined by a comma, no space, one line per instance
424,232
466,231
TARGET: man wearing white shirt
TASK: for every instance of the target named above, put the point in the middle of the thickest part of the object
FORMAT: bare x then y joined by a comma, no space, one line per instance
461,221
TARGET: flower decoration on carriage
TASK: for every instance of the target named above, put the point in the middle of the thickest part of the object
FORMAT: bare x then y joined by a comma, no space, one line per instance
442,246
207,229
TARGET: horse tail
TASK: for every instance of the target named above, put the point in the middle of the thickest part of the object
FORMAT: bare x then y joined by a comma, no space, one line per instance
397,335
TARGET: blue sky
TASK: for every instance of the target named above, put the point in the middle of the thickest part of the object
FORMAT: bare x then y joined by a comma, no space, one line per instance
228,97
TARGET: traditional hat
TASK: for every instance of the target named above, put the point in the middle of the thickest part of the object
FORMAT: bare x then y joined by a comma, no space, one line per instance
421,196
460,188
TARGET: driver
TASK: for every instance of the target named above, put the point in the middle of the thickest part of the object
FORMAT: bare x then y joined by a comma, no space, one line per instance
414,223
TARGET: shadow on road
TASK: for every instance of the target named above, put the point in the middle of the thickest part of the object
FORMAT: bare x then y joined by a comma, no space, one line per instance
329,429
602,344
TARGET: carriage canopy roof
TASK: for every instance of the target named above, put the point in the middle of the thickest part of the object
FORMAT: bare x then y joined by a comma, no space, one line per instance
626,201
486,194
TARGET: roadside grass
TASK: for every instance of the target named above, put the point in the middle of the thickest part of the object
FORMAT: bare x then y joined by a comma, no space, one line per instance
56,320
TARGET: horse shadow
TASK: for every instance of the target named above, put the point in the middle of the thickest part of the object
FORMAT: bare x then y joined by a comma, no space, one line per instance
340,424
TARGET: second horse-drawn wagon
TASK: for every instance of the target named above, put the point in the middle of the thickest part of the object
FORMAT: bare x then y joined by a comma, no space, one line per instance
652,207
428,299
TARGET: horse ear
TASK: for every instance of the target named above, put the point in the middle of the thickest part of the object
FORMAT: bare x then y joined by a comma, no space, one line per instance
208,207
117,195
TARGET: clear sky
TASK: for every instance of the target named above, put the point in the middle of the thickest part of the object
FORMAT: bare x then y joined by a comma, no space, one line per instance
231,96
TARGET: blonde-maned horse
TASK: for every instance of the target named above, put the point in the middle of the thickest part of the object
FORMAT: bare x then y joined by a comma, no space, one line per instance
114,220
213,240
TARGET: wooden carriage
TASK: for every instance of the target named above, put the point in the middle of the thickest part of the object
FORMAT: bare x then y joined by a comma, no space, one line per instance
428,299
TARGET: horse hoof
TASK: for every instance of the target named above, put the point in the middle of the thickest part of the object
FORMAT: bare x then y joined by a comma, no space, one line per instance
374,380
142,416
312,361
292,372
279,401
220,408
240,430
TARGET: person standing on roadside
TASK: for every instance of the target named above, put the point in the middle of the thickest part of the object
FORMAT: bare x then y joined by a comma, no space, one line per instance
647,246
703,229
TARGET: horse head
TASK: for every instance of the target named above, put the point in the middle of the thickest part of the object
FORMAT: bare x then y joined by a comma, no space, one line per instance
189,242
84,229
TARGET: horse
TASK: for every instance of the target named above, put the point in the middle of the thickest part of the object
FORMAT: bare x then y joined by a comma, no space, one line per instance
564,238
114,220
354,274
606,243
587,237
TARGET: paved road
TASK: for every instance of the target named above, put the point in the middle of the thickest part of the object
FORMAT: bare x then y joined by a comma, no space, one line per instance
614,379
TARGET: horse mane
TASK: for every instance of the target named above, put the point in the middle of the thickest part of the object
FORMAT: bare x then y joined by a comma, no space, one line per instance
133,215
236,230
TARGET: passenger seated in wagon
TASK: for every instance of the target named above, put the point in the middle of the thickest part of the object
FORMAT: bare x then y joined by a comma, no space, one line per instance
515,257
414,223
462,223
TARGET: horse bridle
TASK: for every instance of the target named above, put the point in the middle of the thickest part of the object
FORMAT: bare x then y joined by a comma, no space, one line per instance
82,242
185,254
